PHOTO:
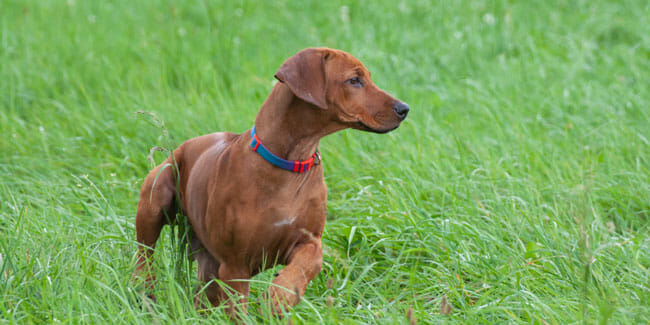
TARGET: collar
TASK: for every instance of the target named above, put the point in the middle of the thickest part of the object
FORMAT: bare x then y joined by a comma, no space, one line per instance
290,165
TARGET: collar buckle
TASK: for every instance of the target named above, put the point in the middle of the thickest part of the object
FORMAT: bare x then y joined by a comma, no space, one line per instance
317,157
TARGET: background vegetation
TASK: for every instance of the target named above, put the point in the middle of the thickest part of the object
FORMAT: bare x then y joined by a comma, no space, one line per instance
519,186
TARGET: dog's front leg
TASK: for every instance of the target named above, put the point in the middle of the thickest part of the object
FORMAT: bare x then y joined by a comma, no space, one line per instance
292,281
235,278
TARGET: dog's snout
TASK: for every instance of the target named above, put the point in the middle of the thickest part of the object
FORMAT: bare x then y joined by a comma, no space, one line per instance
401,109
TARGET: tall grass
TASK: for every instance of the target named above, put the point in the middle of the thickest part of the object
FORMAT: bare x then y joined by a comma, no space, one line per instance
518,187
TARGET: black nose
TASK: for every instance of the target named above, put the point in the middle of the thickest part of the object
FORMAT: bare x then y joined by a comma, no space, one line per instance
401,109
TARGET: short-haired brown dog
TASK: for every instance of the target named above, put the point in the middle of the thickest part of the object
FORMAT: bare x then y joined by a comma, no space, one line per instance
258,198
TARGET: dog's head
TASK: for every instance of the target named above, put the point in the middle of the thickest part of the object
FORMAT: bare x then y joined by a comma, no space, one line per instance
336,81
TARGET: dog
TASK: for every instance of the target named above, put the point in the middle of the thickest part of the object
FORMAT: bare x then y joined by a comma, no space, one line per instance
258,198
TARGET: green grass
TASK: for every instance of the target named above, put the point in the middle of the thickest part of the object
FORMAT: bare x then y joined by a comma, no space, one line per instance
519,186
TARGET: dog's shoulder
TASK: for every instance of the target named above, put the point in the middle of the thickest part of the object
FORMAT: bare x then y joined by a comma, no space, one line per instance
192,149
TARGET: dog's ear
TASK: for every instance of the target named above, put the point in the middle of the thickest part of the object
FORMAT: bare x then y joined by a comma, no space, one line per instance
304,74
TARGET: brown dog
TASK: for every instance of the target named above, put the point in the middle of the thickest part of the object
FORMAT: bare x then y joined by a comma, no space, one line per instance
246,212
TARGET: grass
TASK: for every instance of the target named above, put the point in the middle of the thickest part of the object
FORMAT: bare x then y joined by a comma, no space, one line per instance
519,186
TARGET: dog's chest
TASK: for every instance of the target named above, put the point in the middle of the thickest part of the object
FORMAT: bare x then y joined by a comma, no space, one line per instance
308,211
284,229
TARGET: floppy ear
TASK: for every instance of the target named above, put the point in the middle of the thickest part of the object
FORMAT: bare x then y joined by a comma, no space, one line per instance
304,74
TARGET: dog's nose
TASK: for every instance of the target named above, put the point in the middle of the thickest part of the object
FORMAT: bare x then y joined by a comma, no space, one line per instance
401,109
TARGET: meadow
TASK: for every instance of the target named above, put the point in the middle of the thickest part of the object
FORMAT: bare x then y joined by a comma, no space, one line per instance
518,187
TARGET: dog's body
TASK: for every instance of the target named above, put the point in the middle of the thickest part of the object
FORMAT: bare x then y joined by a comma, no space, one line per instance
247,214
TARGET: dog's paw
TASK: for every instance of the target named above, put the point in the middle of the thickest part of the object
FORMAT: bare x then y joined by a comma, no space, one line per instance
145,301
282,299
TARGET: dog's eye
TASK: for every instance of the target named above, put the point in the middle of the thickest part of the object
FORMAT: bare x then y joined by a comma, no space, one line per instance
355,82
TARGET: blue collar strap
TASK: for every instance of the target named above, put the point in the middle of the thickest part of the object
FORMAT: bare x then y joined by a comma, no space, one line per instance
290,165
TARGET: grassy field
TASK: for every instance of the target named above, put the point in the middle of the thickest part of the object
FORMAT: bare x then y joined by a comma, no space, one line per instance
519,185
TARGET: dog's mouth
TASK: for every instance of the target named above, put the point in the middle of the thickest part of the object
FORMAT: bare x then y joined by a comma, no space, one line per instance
361,126
356,122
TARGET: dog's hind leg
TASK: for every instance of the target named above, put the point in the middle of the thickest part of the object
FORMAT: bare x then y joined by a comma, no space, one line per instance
155,209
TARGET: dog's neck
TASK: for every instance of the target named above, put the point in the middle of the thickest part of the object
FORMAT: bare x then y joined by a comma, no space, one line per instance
290,127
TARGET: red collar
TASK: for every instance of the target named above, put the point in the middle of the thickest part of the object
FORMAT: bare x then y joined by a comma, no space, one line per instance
290,165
